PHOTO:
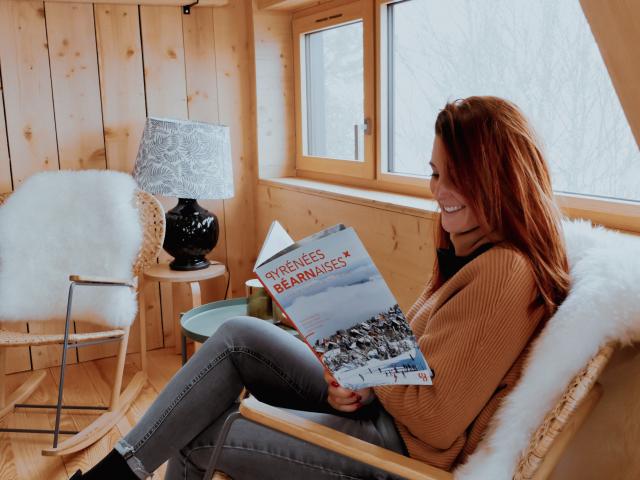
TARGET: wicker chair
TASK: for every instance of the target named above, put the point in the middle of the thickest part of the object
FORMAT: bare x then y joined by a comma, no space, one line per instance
537,461
152,220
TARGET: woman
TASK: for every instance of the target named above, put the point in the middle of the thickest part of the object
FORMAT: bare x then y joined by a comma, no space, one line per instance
501,271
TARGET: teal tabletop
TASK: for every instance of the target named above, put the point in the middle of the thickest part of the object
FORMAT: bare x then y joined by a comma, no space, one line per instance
203,321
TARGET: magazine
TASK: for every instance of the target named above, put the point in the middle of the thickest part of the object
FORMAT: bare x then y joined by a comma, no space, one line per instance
329,288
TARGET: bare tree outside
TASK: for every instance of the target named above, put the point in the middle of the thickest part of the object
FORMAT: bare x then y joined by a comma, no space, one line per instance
542,56
335,91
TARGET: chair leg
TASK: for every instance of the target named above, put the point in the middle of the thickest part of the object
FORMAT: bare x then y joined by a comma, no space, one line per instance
119,402
213,461
142,318
100,427
3,380
117,382
63,364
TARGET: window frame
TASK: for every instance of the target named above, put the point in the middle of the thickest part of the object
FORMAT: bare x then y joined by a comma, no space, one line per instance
383,100
611,212
340,14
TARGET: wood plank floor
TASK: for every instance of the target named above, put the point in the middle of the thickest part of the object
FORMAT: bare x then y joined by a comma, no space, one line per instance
85,383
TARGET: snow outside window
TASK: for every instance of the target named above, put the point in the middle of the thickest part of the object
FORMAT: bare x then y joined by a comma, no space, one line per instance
334,90
541,55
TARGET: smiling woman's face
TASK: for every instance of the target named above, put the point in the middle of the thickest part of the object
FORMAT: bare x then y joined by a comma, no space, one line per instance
457,216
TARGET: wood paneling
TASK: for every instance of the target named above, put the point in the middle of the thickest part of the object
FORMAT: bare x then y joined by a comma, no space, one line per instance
121,87
76,89
165,3
121,83
234,60
400,244
274,93
27,89
87,61
76,94
200,65
5,167
163,51
166,91
417,206
29,111
288,4
606,445
616,27
18,359
202,103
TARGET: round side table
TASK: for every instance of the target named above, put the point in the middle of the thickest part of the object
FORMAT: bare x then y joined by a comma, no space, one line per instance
162,273
202,322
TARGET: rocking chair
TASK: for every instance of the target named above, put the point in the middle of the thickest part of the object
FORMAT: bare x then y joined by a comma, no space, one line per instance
152,221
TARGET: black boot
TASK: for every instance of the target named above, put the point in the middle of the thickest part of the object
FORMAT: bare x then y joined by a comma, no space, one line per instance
110,467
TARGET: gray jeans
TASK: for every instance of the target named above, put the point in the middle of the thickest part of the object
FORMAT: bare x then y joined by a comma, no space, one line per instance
183,423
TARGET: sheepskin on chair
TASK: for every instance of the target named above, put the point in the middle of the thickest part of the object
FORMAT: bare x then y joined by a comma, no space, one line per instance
65,223
603,305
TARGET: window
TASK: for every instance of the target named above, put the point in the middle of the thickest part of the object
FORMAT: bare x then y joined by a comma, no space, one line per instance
367,95
540,55
335,90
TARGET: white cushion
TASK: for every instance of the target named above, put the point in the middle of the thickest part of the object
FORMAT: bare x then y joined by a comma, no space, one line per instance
69,222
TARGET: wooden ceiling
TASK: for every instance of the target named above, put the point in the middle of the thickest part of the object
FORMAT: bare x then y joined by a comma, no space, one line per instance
288,5
201,3
616,27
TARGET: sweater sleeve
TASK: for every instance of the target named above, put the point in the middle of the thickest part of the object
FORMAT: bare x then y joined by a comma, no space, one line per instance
419,303
472,340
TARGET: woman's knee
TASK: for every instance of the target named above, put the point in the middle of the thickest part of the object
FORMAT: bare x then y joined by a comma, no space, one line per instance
242,330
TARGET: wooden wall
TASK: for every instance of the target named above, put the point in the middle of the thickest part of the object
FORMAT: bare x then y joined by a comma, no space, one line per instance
274,79
401,246
399,243
78,81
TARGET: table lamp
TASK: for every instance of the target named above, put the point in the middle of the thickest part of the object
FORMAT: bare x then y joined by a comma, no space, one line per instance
189,160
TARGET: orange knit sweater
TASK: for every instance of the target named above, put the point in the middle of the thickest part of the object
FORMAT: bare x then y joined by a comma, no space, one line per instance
473,332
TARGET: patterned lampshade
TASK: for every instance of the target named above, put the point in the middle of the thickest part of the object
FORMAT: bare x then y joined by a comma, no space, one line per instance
185,159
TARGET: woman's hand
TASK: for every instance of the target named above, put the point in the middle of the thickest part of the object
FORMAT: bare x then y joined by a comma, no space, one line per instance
346,400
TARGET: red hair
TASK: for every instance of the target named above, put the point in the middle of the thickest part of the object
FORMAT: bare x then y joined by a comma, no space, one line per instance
496,163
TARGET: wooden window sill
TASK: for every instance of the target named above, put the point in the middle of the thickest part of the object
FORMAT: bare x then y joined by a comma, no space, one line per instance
406,204
619,215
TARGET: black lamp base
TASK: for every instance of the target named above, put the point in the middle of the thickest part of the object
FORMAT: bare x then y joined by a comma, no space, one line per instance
186,264
192,232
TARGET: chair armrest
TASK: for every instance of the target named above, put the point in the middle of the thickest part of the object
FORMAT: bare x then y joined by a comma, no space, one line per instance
339,442
87,280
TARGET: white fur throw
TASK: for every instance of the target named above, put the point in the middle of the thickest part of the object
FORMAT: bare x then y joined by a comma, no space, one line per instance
603,305
69,223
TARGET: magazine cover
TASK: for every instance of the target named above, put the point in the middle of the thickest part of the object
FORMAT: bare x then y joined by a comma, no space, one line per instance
329,287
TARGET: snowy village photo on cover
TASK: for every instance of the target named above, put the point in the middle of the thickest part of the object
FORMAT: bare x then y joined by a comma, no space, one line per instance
346,312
